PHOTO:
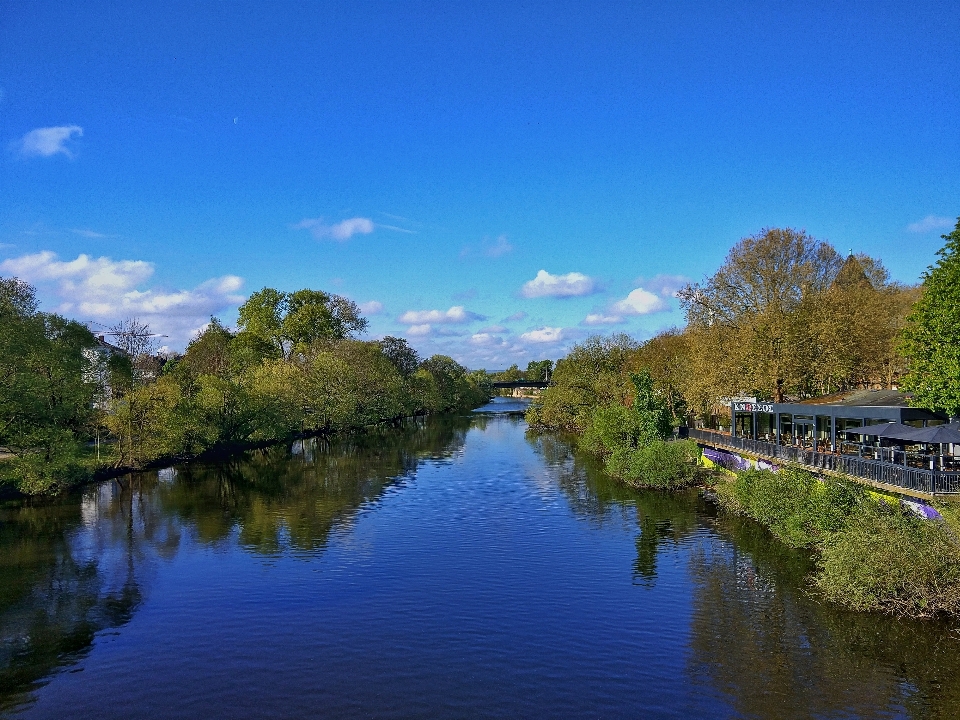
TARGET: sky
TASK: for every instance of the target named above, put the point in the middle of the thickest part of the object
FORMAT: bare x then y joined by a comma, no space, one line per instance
494,181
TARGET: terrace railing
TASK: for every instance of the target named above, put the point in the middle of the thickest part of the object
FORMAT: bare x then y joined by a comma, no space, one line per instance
931,482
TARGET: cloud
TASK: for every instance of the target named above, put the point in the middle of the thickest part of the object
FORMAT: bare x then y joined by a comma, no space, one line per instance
572,284
543,335
371,308
48,141
488,248
498,248
90,234
484,339
494,329
456,314
931,223
341,231
640,302
516,317
106,289
419,330
601,319
664,285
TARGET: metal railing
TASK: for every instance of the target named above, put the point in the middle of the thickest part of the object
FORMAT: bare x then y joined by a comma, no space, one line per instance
933,482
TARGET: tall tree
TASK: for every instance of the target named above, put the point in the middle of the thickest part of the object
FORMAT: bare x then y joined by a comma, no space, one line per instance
287,321
931,340
757,305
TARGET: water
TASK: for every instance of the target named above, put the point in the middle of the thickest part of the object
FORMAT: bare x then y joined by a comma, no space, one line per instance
457,568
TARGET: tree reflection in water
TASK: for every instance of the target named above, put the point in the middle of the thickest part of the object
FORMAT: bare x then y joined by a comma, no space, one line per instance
277,505
661,517
69,570
761,640
78,566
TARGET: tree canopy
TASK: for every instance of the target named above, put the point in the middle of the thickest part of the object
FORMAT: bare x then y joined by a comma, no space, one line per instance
931,339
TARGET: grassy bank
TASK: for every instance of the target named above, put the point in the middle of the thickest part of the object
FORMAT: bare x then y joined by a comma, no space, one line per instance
870,554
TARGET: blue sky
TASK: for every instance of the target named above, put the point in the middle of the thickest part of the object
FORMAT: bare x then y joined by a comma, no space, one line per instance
491,180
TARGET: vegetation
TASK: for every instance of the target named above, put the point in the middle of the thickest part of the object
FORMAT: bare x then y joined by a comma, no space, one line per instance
293,367
931,341
870,555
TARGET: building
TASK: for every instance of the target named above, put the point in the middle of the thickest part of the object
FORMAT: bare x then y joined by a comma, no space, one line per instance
824,423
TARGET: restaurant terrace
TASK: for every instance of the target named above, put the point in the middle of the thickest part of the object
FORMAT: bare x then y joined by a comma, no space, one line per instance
874,435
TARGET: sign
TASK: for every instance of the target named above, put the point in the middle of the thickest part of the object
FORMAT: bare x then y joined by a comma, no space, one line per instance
753,407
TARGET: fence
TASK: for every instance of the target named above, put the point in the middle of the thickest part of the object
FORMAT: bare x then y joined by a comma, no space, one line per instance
933,482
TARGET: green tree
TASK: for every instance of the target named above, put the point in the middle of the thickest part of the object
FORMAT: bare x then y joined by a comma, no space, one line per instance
285,322
931,340
538,370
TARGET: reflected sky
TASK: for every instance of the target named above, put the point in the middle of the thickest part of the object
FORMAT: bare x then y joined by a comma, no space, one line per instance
454,567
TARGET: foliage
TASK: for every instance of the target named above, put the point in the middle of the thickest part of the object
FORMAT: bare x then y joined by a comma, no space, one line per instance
292,368
931,340
888,561
47,393
799,509
658,464
595,373
287,322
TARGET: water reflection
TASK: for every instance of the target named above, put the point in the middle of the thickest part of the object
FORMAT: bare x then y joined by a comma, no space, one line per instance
717,623
762,641
284,498
75,567
69,570
660,517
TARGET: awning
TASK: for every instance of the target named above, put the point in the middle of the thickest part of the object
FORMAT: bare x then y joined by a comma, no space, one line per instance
894,431
937,434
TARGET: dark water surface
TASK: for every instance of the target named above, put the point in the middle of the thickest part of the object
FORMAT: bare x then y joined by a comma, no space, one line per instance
457,568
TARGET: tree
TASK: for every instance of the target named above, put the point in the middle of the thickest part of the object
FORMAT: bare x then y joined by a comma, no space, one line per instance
931,340
757,307
404,358
539,370
285,322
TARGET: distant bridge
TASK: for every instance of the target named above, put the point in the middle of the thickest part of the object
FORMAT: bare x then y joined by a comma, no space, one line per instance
540,384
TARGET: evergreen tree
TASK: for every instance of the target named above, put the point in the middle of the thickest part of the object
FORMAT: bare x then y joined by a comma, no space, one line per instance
931,340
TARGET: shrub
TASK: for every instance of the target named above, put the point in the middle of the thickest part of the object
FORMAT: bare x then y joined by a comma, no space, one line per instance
799,509
888,561
658,464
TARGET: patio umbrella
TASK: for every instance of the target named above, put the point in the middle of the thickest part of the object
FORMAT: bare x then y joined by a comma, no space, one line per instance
894,431
937,434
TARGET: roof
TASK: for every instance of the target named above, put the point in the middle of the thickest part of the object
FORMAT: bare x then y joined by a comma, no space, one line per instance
862,398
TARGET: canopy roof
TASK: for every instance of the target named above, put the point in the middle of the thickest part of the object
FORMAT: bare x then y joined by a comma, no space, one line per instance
894,430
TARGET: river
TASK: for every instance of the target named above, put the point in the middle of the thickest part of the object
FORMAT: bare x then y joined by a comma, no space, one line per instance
457,568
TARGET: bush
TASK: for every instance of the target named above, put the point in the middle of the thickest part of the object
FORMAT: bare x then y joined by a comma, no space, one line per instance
888,561
659,464
799,509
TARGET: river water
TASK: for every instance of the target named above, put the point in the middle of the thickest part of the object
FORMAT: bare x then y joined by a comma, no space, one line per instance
460,567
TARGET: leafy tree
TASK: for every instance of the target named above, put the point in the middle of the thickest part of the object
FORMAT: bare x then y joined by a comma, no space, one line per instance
404,358
931,340
285,321
538,370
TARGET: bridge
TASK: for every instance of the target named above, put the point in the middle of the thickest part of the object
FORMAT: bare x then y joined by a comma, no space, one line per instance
538,384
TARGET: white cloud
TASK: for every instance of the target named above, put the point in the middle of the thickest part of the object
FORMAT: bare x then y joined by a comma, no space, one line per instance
484,339
516,317
419,330
456,314
572,284
602,319
371,308
665,285
931,223
105,289
48,141
341,231
640,302
543,335
90,234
